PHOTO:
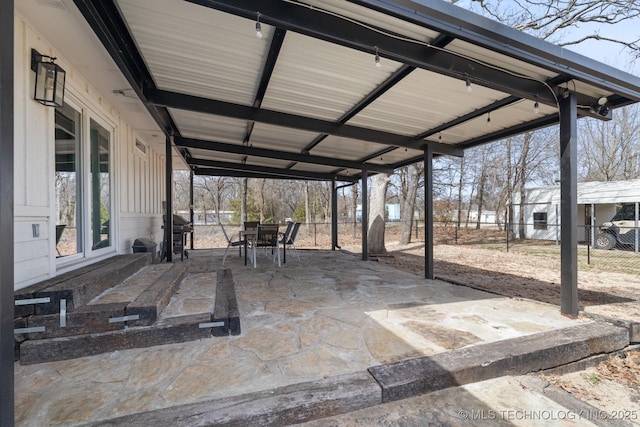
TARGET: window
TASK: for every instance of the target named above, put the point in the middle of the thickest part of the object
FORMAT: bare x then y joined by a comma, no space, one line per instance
539,220
142,149
625,213
100,186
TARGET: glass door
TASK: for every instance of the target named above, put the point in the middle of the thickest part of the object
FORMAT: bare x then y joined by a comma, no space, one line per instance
68,181
100,191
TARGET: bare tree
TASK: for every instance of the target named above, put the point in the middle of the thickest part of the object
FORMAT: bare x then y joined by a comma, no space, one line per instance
556,20
354,209
610,150
375,238
409,180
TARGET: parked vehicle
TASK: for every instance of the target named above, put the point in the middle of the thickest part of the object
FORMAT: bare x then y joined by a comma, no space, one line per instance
621,230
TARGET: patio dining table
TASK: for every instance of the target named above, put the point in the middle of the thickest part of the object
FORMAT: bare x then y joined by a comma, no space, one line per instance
251,236
247,235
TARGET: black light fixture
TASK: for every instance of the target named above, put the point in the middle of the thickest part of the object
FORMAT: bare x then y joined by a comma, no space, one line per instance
258,27
50,79
601,107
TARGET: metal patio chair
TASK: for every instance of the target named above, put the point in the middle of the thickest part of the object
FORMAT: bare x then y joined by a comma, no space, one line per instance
267,237
290,240
231,243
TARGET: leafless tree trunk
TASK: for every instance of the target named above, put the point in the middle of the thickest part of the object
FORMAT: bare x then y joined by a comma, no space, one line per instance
460,184
307,208
410,177
523,182
375,238
244,184
354,210
481,184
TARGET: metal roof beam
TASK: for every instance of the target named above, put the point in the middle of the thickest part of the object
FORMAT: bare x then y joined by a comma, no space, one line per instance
264,170
274,154
314,23
242,174
267,71
277,118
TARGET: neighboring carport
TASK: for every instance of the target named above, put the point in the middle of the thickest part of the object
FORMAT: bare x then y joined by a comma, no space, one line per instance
337,91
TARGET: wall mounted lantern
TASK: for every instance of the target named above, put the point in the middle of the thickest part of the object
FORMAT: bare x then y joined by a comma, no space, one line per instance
50,78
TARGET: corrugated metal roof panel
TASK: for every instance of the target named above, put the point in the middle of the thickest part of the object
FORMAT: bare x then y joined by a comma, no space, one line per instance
215,155
345,148
262,161
281,138
301,166
396,156
318,79
197,50
503,118
374,19
498,60
422,101
588,193
206,126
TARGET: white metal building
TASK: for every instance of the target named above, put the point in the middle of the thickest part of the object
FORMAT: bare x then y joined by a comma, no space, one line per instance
597,204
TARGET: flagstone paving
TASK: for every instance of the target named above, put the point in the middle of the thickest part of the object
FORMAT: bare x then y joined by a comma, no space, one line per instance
326,315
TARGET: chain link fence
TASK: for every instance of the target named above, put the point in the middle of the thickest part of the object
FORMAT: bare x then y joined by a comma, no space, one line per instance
593,252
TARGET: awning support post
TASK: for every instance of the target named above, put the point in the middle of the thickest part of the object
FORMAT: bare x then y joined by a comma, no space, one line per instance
428,212
168,223
365,216
7,394
334,215
568,205
191,208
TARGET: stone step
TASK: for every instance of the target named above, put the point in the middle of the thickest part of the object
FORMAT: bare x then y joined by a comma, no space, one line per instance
92,335
146,300
172,330
79,287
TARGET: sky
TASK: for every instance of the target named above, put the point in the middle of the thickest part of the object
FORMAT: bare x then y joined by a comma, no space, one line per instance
610,53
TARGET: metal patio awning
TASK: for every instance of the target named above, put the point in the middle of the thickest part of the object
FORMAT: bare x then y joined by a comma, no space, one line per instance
307,99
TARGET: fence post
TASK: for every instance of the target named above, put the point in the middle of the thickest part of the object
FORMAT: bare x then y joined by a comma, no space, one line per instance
315,235
508,224
589,246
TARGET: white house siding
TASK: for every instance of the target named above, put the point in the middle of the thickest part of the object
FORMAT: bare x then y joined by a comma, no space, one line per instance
137,181
142,190
603,195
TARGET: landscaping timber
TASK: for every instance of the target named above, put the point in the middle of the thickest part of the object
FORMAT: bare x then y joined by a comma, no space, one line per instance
226,305
174,330
516,356
150,303
276,407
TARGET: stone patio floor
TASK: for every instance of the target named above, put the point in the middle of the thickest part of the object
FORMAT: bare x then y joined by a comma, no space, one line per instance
327,314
